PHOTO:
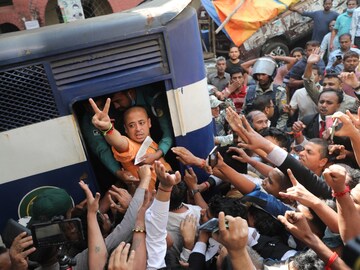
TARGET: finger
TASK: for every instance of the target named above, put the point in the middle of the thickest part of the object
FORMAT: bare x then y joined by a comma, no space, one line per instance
293,180
222,226
107,106
29,251
131,260
94,106
124,254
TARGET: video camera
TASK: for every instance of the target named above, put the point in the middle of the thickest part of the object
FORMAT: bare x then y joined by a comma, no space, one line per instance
57,232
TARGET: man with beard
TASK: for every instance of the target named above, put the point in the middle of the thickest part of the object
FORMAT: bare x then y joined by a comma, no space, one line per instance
264,71
351,62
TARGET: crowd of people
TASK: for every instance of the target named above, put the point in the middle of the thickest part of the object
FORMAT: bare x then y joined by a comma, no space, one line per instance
282,186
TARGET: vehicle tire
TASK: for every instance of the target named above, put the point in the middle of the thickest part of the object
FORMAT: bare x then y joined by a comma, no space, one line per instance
275,48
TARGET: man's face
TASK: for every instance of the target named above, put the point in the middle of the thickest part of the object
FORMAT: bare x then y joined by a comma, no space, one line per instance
121,101
215,112
237,77
234,53
271,183
271,109
263,79
350,64
332,83
137,125
345,43
260,121
221,66
352,4
315,73
297,55
328,103
327,5
309,49
310,157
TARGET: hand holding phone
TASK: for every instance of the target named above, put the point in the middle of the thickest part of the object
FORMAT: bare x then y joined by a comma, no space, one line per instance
211,225
213,158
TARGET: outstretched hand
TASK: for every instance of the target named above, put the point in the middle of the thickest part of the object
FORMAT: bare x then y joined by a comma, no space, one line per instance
92,203
166,179
101,119
298,192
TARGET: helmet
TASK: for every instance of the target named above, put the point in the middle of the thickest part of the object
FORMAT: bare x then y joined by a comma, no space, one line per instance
264,65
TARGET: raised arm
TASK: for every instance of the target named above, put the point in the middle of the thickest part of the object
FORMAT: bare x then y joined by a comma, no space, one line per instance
349,129
139,231
101,121
349,217
240,182
309,84
299,193
297,225
96,245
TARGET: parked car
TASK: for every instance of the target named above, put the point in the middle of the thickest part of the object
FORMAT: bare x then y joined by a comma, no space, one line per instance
280,34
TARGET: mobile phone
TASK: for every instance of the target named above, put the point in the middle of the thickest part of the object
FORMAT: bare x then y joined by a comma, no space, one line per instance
212,158
329,121
333,128
211,225
339,57
57,232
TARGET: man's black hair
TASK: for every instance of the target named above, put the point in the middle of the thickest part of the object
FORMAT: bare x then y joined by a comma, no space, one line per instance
350,54
230,206
236,69
312,43
297,49
324,152
280,136
261,102
178,195
340,94
345,35
353,173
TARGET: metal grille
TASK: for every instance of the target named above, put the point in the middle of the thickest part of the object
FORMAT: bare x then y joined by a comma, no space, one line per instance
116,58
94,8
25,97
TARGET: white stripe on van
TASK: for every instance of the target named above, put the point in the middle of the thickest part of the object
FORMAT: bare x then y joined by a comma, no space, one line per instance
39,148
189,107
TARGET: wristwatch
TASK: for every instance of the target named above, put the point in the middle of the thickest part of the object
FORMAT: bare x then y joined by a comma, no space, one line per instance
194,191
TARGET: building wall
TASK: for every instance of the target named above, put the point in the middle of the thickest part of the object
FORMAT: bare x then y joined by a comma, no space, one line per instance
36,9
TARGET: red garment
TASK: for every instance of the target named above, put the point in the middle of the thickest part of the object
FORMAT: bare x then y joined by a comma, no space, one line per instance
322,128
239,98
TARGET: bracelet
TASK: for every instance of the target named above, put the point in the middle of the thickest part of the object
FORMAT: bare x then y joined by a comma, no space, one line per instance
342,193
108,131
139,229
297,134
331,260
165,190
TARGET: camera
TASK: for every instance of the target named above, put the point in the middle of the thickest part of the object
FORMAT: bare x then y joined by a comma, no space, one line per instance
57,232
